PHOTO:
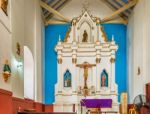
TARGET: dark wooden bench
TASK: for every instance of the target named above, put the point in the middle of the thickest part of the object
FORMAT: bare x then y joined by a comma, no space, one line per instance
47,113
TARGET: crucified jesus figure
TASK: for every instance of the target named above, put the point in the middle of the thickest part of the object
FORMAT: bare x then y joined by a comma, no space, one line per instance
85,66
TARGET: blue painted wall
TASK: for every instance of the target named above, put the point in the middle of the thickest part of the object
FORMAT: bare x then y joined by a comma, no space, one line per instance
119,32
52,33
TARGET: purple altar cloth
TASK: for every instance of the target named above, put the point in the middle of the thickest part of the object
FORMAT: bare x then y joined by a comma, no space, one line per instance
96,103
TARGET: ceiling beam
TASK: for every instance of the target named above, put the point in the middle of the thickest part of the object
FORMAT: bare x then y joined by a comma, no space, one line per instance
121,16
116,6
55,7
122,9
55,2
58,8
50,22
50,9
122,4
54,22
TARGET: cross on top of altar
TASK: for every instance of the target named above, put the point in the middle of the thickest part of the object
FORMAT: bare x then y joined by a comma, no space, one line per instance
85,65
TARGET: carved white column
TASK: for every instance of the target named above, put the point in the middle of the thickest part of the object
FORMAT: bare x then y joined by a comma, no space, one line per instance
114,86
74,30
77,78
112,60
97,69
74,80
90,77
97,78
98,29
60,76
94,76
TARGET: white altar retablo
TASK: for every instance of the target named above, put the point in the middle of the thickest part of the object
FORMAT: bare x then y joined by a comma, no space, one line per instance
85,42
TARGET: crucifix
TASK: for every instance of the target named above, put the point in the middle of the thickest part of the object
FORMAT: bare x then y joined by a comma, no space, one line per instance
85,66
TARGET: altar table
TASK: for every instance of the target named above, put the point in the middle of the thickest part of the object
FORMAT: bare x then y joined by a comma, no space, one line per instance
96,103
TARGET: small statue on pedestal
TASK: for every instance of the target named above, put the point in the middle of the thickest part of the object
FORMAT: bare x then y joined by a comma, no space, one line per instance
85,36
6,71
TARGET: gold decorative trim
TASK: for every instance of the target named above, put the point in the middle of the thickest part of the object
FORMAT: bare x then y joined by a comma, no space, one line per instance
74,60
60,61
98,60
112,60
74,22
97,21
104,34
6,76
67,35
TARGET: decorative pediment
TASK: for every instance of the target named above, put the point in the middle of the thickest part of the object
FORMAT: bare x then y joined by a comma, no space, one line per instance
85,29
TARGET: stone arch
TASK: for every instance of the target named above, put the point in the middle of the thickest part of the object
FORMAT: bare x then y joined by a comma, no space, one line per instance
28,73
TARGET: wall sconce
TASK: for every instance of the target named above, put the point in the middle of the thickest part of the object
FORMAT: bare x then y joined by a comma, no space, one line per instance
19,65
18,49
6,71
138,71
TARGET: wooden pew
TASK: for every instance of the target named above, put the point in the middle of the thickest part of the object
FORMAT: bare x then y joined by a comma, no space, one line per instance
47,113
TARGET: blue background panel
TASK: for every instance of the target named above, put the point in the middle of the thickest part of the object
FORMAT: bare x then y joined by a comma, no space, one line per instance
52,33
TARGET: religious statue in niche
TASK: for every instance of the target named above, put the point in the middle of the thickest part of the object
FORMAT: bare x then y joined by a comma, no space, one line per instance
85,36
3,5
67,79
104,79
18,50
6,71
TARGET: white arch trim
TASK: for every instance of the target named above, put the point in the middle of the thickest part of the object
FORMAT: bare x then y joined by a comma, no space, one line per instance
28,74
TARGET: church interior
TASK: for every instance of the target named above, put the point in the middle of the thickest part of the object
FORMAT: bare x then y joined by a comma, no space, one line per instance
74,57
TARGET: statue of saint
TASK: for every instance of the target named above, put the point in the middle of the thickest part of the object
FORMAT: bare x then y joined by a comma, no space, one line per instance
103,81
6,71
85,36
